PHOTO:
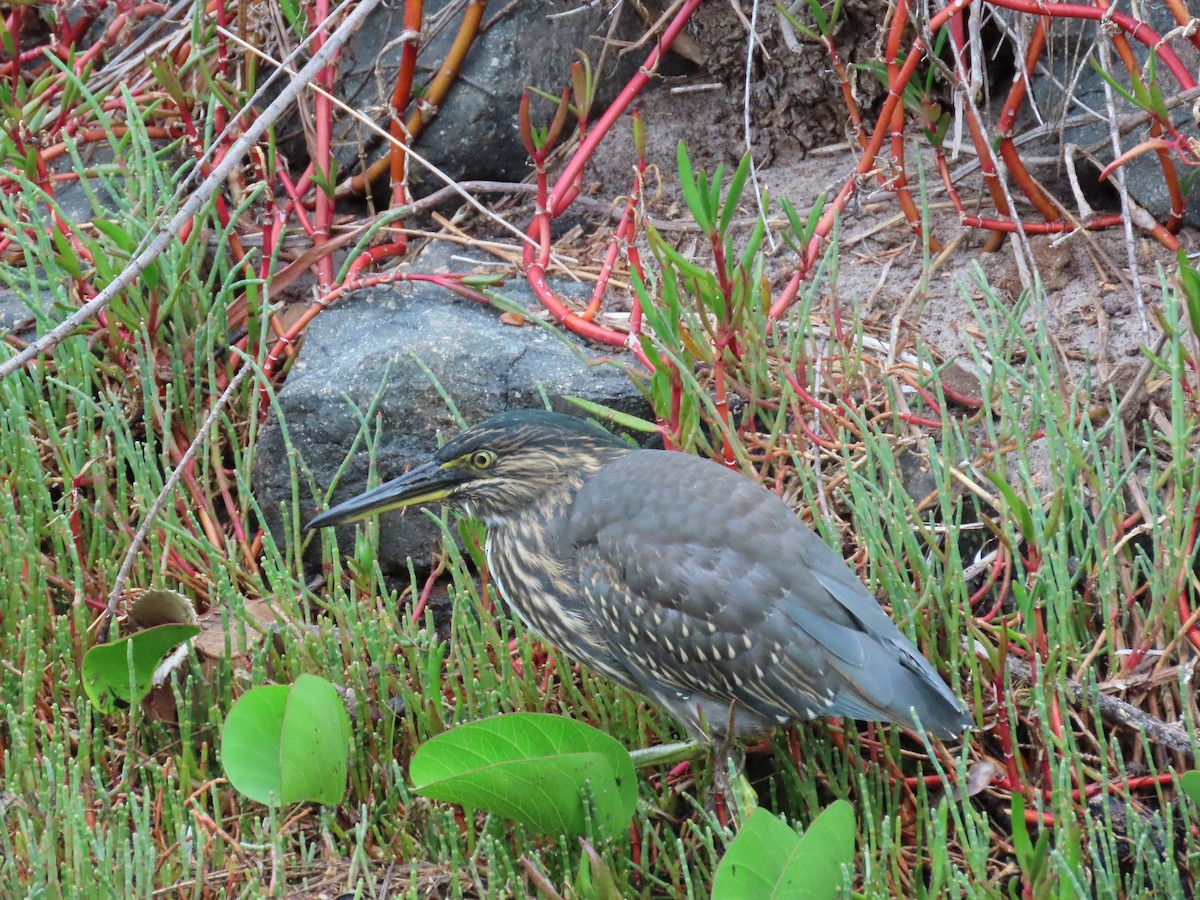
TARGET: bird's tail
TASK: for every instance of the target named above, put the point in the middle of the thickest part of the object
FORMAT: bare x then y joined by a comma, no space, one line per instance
904,689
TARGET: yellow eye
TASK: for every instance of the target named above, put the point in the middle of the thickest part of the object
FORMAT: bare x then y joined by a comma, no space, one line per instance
482,459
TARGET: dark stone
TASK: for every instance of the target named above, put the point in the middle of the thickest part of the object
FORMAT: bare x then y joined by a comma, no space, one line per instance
15,310
1070,42
369,347
916,473
474,134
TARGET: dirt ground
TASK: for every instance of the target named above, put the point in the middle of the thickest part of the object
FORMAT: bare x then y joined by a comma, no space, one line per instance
798,132
1099,293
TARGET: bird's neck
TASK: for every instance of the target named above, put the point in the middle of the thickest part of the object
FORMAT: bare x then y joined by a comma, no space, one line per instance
548,502
549,508
524,553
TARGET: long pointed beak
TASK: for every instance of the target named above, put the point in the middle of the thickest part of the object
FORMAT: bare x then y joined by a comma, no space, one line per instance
427,483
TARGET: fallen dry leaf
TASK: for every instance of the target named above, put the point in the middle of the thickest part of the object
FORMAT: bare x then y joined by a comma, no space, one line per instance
512,318
210,642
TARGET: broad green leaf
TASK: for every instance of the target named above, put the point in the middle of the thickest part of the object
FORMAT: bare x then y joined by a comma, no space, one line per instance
120,674
286,744
250,742
769,861
532,768
1189,783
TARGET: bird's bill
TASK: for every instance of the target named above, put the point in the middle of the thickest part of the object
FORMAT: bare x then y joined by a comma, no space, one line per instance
427,483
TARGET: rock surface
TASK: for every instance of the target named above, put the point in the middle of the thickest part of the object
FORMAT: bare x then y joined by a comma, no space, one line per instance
474,133
363,360
1087,107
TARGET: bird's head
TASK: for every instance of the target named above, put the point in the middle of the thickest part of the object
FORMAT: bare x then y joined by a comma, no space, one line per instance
494,469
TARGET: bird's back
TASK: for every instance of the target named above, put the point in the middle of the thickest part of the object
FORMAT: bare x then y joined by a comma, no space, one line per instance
715,591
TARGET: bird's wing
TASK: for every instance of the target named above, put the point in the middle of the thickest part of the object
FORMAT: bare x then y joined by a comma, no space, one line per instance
712,585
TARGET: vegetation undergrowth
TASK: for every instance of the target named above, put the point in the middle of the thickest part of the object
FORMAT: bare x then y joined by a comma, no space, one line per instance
1034,533
1018,552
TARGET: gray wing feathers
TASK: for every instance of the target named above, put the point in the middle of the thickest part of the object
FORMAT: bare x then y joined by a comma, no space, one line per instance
722,583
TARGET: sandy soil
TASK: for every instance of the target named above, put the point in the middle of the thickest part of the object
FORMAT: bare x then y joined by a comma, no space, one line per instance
1087,295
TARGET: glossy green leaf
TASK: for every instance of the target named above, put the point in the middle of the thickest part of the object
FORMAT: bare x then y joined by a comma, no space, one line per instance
119,674
769,861
1189,783
532,768
286,744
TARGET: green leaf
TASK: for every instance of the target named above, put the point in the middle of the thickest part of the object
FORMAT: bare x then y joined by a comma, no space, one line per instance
1019,508
66,255
120,674
1110,81
290,10
595,879
686,267
532,768
734,197
1070,845
1189,783
608,414
1157,104
326,180
753,243
1029,857
1189,280
286,744
769,860
796,23
119,236
695,199
650,312
168,79
713,191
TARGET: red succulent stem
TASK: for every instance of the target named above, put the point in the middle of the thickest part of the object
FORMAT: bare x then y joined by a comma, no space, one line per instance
537,255
401,95
323,161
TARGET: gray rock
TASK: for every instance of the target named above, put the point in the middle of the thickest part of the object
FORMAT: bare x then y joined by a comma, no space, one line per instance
369,347
474,133
15,309
1067,54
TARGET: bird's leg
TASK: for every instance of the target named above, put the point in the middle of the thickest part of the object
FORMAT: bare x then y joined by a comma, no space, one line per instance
728,787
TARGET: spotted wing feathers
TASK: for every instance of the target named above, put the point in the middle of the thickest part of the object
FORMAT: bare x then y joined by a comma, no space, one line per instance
715,592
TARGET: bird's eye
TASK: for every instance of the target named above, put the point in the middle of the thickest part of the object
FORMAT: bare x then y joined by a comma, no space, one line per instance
482,459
